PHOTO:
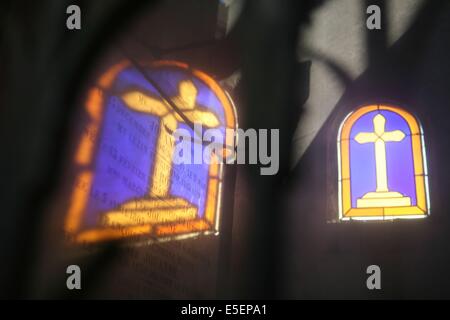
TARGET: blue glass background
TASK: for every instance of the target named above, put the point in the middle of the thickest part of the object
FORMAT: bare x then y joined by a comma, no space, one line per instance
115,183
399,158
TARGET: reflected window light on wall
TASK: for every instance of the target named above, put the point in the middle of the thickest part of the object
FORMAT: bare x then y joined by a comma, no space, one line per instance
126,184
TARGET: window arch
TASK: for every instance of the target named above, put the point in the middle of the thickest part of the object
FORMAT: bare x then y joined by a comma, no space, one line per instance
126,184
382,165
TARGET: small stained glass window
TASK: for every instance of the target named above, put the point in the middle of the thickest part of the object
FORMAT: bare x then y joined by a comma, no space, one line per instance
382,165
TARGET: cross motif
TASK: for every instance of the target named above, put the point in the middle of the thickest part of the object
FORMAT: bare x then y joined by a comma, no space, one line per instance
186,102
380,137
159,205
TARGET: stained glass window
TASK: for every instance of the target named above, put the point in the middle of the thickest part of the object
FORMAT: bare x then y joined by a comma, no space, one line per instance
126,184
382,165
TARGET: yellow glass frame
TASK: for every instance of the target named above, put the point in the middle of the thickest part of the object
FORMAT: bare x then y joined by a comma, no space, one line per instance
420,210
84,157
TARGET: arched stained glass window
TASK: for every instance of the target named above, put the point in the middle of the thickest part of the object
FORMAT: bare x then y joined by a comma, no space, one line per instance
126,184
382,165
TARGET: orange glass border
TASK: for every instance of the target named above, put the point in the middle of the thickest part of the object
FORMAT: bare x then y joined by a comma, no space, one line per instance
346,212
84,157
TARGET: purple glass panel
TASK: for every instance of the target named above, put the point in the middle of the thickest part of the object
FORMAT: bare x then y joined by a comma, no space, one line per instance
126,146
399,158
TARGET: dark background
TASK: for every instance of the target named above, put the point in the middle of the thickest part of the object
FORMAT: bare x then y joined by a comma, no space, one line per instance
277,239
